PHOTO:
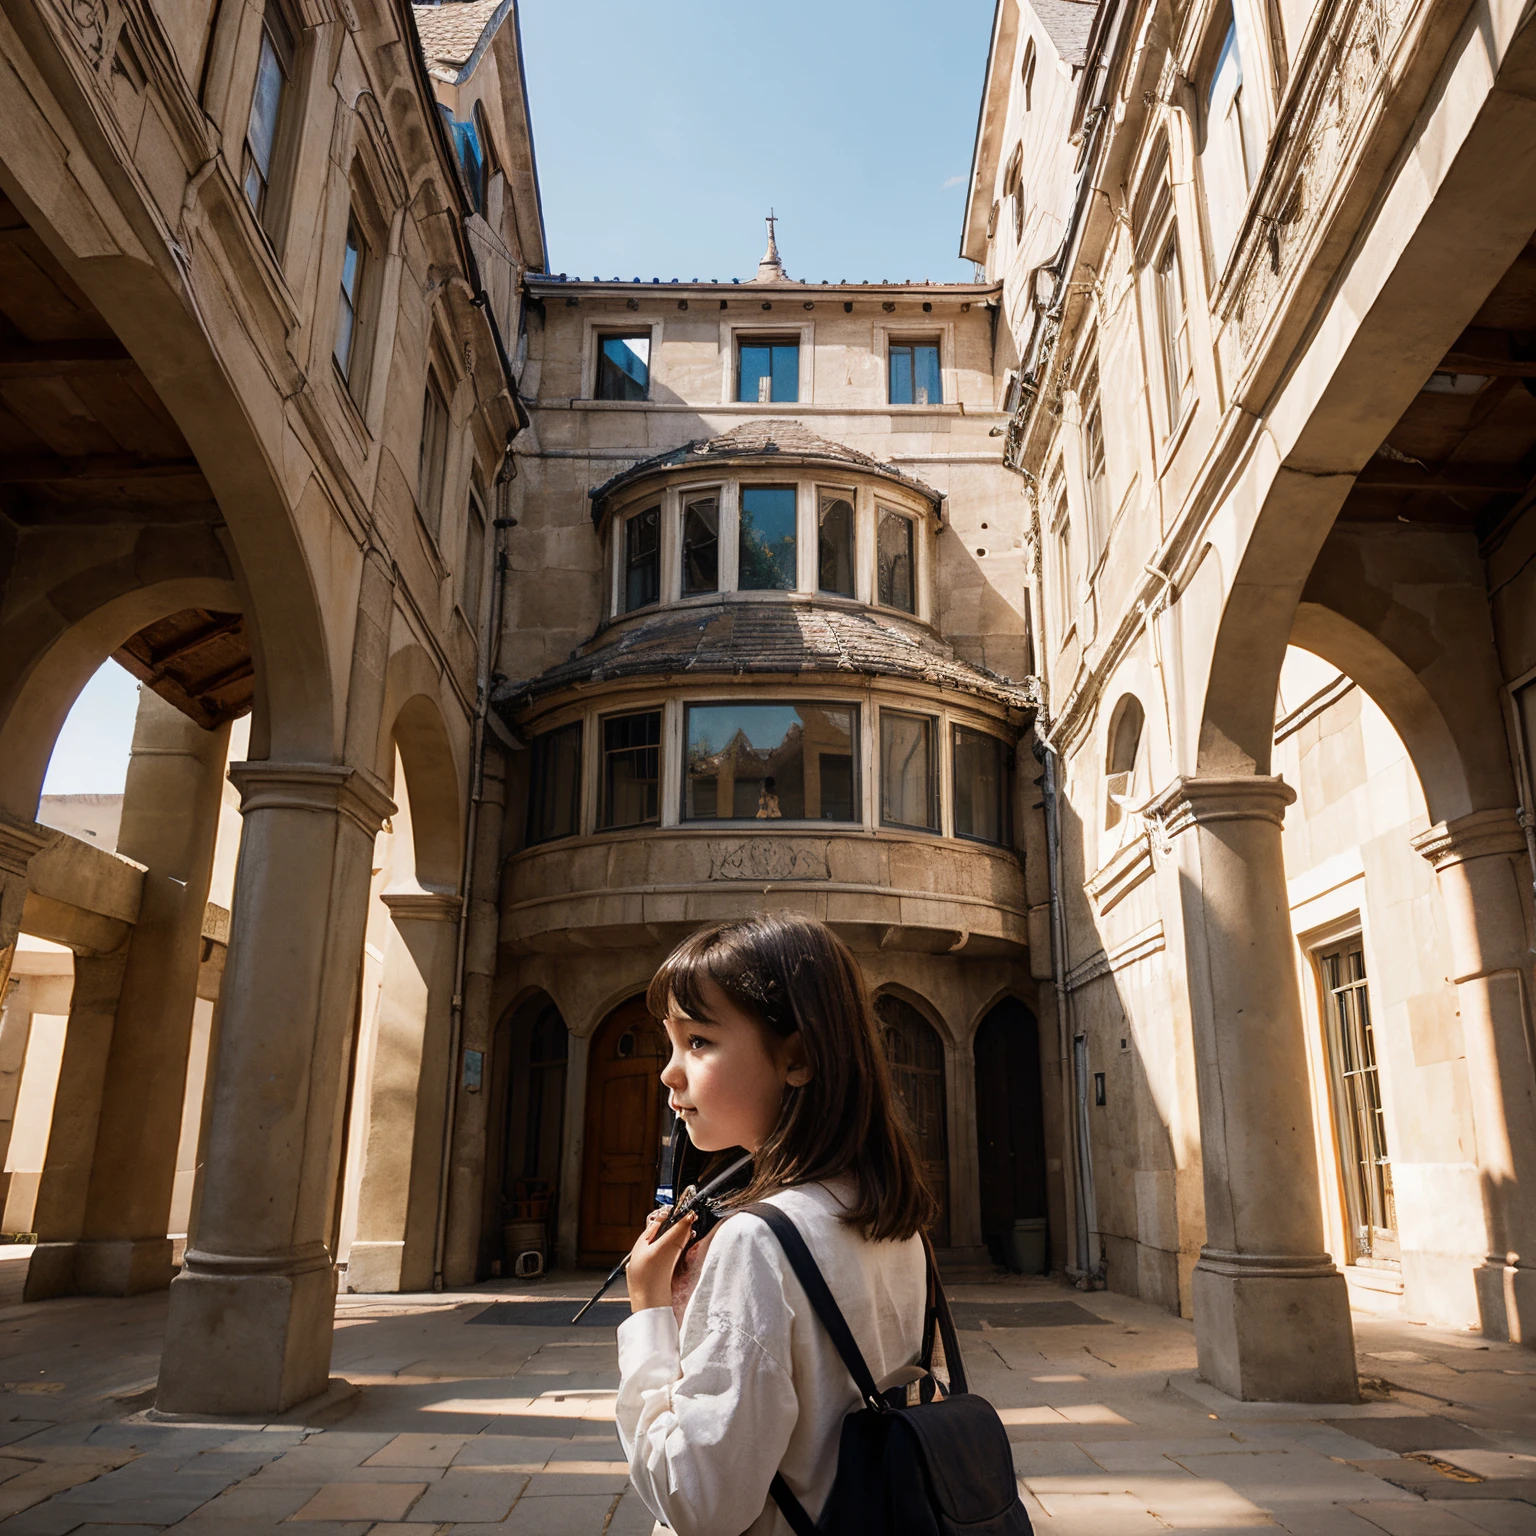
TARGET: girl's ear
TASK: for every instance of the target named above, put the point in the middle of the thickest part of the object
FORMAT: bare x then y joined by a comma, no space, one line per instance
797,1073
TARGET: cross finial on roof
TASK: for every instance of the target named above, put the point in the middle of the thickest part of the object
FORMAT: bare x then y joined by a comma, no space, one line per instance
770,269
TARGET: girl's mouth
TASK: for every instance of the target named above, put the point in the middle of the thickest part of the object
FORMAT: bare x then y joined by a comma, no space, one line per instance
683,1109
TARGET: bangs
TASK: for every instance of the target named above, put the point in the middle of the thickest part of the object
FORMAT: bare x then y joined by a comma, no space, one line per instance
679,983
724,955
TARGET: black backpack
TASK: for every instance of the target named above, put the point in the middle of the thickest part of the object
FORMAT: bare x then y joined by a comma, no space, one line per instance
909,1462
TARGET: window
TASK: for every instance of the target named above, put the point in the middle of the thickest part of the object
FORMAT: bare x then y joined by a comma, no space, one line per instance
896,586
554,788
624,366
768,371
834,545
766,560
909,771
1173,329
1227,156
353,259
1093,458
1121,787
913,368
771,762
274,75
631,769
1359,1120
469,140
434,454
1060,594
701,544
642,559
1028,75
981,786
472,567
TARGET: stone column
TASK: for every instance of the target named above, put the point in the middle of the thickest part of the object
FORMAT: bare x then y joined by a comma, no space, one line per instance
1480,868
397,1203
250,1320
1271,1311
170,816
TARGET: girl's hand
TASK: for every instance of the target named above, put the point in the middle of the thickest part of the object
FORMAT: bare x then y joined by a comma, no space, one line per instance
652,1261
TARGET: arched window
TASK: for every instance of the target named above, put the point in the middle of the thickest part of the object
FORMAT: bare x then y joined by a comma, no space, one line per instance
1027,73
1124,755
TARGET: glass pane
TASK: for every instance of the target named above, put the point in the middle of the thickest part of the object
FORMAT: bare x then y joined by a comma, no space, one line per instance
786,372
926,385
554,793
901,375
909,791
701,546
767,553
473,573
834,548
344,329
979,786
642,559
631,769
755,373
261,134
624,367
351,262
894,562
769,762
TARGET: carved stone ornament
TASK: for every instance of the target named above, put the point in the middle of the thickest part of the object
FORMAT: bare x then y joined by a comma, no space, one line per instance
769,858
88,22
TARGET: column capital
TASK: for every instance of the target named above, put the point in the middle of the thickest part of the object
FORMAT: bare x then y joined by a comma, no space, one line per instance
325,787
1479,835
422,906
20,842
1192,801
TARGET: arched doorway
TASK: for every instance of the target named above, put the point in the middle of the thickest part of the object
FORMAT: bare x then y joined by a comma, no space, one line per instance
625,1100
1010,1137
916,1057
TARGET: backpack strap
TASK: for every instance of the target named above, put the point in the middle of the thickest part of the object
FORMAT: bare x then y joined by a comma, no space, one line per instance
822,1301
938,1311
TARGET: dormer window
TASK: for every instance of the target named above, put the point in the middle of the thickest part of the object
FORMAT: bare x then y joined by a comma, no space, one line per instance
913,367
768,372
642,559
895,576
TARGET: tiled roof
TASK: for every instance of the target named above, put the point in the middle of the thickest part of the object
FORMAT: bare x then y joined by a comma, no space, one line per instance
452,33
736,638
757,440
1067,23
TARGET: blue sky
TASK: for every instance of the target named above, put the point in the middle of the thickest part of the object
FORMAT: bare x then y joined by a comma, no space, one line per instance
665,131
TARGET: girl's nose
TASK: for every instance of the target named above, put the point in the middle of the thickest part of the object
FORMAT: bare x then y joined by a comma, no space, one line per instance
672,1075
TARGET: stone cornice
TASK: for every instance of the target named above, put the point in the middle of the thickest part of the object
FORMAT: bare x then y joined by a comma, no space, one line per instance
422,906
1120,874
20,842
1480,835
1188,802
330,788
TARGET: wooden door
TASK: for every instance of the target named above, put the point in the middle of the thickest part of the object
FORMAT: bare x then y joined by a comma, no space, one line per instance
623,1142
916,1057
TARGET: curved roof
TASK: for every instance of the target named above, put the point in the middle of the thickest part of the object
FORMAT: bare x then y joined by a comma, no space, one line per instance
740,638
455,35
785,442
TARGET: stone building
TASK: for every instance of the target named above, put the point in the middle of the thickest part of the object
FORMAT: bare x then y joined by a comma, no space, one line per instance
1268,278
1129,652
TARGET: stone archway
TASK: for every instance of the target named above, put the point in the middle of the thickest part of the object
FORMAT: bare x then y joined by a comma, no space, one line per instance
914,1052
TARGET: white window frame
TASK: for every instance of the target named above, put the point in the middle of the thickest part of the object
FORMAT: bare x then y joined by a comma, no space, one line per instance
733,332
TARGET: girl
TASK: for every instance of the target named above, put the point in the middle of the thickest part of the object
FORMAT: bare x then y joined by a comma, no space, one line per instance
773,1050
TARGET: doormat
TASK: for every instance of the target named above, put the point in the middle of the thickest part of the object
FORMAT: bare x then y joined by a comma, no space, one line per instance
552,1314
1023,1314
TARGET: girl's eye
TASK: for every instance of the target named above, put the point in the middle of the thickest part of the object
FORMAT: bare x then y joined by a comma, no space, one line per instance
696,1042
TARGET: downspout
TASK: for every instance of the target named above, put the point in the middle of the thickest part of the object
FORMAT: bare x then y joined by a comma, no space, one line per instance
490,627
1088,1274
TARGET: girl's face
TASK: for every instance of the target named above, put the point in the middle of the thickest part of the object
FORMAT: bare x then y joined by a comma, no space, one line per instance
727,1074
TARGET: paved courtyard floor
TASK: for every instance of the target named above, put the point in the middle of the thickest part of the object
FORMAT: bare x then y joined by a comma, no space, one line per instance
469,1414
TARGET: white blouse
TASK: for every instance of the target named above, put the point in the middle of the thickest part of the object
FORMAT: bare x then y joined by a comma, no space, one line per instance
751,1384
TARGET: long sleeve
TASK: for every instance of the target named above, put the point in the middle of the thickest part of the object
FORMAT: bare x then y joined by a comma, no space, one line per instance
705,1430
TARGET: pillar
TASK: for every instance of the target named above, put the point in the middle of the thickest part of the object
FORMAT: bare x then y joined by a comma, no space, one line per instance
395,1246
171,802
19,841
1479,863
250,1317
1271,1311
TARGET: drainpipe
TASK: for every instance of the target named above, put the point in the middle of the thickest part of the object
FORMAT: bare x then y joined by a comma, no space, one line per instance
490,628
1088,1273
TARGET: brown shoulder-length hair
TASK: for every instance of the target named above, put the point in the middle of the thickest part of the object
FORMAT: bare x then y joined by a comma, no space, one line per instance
793,973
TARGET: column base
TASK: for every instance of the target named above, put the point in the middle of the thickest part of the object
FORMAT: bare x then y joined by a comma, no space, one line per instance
248,1335
113,1267
375,1268
1274,1329
1506,1301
